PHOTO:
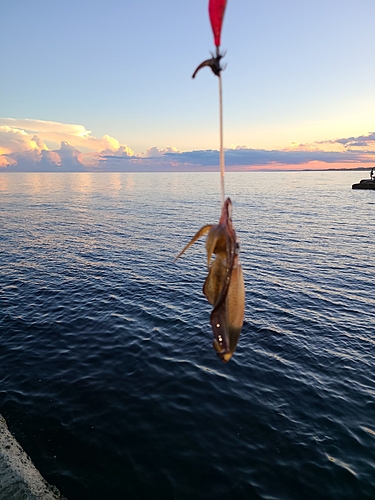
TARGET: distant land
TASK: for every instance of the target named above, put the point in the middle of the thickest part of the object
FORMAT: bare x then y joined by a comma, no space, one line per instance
342,169
332,169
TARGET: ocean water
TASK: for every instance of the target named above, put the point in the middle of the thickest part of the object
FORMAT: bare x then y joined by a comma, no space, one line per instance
108,377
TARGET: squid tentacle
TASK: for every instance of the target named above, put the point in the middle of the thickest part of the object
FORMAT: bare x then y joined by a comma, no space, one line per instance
203,230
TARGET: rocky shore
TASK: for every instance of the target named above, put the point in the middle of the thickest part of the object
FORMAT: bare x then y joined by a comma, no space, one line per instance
19,479
364,184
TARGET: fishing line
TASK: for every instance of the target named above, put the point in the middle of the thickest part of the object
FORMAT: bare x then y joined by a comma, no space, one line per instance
216,9
222,159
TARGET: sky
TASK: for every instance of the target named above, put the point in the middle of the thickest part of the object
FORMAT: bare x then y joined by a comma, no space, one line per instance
106,86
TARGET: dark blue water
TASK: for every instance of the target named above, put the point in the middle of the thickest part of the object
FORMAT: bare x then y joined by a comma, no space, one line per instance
107,373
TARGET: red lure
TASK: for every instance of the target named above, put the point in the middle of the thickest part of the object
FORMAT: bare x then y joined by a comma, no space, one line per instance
216,9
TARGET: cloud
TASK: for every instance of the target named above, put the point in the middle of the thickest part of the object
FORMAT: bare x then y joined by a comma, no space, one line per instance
155,152
361,141
236,159
51,134
261,157
45,126
17,140
66,158
36,145
112,146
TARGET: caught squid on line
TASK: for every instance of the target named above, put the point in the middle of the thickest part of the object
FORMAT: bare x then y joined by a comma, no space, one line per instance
224,286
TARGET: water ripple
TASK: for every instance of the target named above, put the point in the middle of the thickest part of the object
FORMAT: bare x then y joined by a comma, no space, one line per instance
108,375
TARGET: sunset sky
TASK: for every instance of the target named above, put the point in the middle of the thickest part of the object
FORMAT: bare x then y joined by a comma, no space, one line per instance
89,85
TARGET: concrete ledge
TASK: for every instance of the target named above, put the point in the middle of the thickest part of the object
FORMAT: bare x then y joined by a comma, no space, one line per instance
19,479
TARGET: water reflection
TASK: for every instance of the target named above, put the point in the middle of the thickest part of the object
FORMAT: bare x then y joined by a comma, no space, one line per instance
4,182
129,182
82,182
115,182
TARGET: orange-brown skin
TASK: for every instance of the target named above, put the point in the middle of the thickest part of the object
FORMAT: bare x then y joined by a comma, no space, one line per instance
224,286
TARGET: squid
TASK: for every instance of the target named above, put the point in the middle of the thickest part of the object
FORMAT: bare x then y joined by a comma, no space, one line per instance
224,286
